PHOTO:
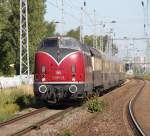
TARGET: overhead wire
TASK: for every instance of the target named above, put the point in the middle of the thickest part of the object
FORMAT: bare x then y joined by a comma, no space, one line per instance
71,15
85,11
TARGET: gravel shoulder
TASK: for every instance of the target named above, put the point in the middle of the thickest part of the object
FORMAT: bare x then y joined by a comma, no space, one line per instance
142,108
113,120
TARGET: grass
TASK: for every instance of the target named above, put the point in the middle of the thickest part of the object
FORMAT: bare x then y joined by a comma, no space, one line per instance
95,105
147,76
14,100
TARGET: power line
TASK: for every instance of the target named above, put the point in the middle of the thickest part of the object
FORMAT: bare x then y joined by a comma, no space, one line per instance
71,15
72,7
77,8
134,38
66,12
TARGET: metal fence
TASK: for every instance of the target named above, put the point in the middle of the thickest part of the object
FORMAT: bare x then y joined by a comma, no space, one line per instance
8,82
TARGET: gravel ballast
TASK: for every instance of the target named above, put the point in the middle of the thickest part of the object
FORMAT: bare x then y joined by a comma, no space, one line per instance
110,122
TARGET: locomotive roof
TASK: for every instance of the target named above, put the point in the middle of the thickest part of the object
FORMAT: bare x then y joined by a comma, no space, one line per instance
60,37
65,42
95,52
103,55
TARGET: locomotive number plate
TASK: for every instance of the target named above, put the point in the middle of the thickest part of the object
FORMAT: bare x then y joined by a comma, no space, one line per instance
58,72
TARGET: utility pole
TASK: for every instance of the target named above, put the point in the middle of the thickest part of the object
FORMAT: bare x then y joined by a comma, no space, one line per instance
100,36
148,42
81,23
81,26
24,46
62,16
146,33
95,32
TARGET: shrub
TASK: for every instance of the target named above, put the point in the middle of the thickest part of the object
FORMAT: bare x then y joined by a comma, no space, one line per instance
95,105
26,101
64,134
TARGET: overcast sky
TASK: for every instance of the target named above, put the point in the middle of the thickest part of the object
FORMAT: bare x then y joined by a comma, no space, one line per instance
128,14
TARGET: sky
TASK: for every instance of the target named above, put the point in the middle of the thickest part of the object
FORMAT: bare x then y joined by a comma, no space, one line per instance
128,14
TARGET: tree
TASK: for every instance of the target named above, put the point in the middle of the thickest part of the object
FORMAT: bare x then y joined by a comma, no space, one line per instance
9,38
9,32
3,14
74,33
114,49
88,39
9,35
108,40
50,29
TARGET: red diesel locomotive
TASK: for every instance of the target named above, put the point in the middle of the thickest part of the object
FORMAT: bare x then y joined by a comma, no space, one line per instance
63,69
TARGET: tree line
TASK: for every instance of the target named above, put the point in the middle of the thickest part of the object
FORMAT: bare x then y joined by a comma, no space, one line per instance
38,29
9,32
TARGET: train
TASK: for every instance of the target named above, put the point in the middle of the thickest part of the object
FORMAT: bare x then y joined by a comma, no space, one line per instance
66,69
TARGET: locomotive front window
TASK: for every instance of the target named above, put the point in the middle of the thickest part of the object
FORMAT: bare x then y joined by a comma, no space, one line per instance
70,44
49,43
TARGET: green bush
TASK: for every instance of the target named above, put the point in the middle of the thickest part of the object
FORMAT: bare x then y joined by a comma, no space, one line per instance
95,105
64,134
26,101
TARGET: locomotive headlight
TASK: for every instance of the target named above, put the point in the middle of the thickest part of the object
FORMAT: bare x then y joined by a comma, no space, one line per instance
42,89
43,79
73,89
73,72
73,79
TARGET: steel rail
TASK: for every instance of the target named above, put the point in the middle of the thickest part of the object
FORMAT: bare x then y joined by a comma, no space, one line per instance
136,125
40,123
22,116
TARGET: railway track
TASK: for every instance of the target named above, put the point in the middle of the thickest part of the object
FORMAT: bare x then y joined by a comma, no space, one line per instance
25,123
22,116
136,126
42,122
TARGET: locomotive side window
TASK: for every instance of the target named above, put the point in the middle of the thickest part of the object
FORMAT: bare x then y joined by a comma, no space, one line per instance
85,49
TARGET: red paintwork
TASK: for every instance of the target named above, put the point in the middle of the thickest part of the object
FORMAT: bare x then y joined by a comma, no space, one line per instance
61,72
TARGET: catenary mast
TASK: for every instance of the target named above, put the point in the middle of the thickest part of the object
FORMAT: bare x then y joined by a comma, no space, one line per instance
24,46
